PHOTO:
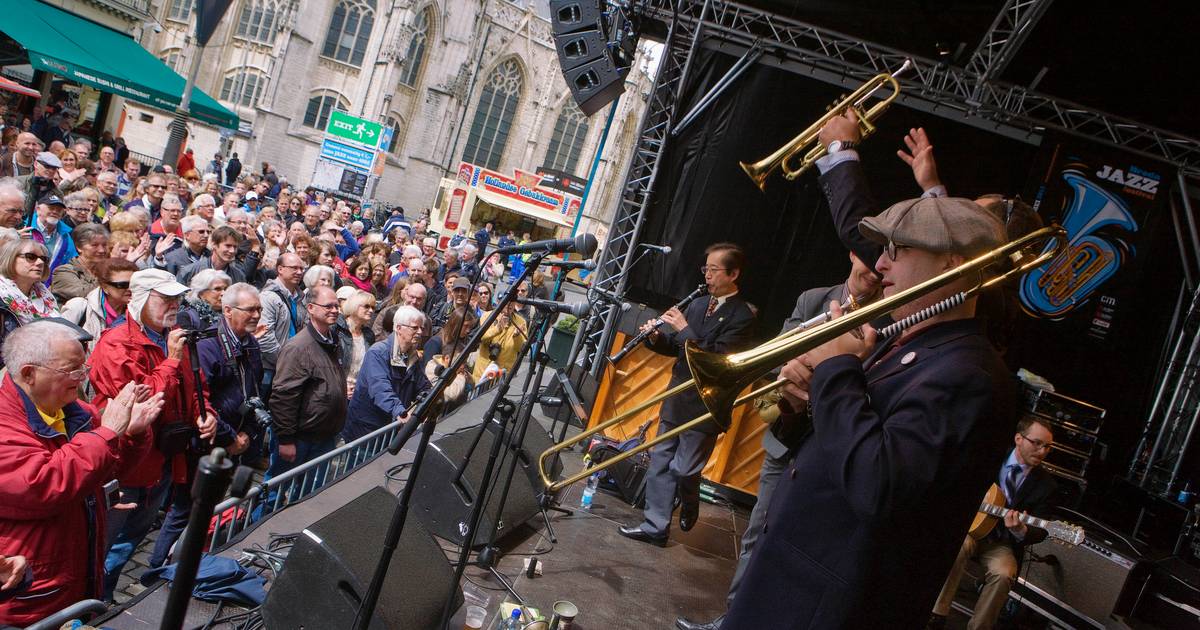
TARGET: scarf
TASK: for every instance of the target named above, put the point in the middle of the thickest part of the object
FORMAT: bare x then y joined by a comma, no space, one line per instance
27,308
207,315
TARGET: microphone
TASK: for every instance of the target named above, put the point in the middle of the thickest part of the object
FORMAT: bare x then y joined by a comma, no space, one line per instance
662,249
572,264
578,310
584,244
607,296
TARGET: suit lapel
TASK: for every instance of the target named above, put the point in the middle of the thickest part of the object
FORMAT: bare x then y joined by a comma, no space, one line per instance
913,352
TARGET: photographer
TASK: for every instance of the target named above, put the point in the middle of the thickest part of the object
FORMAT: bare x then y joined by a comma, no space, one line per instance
232,367
145,347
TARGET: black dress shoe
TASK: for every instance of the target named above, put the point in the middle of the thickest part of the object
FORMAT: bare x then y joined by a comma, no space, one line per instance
688,515
640,535
686,624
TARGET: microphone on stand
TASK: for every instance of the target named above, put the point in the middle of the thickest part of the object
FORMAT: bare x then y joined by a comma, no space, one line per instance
578,310
584,244
590,265
662,249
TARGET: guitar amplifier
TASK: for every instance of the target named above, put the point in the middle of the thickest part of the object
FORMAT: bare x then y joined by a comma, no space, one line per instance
1087,583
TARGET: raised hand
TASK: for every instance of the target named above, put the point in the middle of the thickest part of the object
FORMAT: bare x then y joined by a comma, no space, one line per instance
919,157
117,413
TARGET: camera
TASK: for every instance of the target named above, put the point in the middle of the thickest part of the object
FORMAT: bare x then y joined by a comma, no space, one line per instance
192,336
255,409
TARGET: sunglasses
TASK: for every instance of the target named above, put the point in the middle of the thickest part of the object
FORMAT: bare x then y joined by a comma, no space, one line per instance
117,285
31,257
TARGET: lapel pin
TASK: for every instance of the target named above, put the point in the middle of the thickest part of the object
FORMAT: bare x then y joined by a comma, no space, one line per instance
908,358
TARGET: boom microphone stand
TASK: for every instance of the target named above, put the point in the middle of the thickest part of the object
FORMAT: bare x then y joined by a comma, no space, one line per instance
422,418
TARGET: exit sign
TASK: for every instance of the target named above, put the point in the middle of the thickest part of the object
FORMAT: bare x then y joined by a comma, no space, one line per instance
360,130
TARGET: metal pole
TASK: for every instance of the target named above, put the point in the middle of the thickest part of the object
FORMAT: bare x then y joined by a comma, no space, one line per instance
1164,377
182,113
1171,407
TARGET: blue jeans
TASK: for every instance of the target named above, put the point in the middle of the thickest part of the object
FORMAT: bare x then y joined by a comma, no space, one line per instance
173,523
306,451
127,528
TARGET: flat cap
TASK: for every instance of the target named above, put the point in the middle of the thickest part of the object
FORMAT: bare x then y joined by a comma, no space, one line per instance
49,159
939,224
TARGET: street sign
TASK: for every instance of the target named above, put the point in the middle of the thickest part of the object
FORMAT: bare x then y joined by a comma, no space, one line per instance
360,159
354,129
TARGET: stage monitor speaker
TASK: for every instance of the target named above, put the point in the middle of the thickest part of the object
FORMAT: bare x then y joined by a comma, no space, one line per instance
329,568
580,47
1093,579
573,15
596,83
445,507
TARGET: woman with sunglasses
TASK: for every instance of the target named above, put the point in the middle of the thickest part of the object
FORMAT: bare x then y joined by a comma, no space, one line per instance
24,268
105,304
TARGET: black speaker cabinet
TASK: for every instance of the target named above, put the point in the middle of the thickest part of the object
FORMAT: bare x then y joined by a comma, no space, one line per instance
580,47
574,15
596,83
445,506
328,570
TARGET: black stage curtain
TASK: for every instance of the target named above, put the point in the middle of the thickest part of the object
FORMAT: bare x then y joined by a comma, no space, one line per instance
703,197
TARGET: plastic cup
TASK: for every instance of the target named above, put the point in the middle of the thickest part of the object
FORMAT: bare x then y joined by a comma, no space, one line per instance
474,618
566,612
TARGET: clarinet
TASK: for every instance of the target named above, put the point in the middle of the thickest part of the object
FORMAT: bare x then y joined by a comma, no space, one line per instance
700,291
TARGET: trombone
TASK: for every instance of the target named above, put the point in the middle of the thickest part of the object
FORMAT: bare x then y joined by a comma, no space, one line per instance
780,159
719,377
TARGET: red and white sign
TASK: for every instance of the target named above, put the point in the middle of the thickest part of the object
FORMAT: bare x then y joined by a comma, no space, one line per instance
454,213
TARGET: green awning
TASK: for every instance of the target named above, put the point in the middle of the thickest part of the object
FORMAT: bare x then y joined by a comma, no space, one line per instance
83,51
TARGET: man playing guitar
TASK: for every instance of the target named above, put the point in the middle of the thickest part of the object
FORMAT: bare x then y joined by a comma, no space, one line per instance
1027,488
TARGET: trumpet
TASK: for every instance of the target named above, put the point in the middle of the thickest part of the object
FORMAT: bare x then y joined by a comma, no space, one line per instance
719,378
700,291
781,159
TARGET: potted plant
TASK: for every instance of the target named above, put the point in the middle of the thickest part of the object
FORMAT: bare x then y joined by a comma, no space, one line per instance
561,339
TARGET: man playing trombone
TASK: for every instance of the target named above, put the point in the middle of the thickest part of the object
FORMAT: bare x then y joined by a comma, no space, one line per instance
722,323
867,520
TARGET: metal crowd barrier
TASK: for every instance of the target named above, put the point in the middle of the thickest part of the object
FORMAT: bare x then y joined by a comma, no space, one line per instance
235,515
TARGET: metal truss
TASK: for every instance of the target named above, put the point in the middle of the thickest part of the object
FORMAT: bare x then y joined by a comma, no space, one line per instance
945,90
1005,36
620,252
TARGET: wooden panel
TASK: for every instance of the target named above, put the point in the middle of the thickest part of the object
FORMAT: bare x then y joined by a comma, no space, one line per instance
738,455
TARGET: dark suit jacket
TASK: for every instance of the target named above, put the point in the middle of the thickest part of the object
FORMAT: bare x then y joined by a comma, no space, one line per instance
850,199
729,329
866,522
1036,496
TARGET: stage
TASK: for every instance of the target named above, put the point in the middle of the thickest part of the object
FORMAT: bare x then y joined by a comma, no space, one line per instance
615,582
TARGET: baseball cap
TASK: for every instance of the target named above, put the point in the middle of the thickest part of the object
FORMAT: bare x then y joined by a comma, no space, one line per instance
939,224
251,195
52,200
148,280
461,283
49,159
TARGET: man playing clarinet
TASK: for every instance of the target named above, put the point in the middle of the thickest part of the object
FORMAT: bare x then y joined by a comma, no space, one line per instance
722,323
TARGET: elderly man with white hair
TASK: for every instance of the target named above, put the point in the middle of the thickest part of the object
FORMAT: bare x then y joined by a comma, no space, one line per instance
470,266
147,348
391,377
12,203
56,454
195,246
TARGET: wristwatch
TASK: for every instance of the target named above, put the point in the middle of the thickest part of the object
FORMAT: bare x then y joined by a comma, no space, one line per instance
839,145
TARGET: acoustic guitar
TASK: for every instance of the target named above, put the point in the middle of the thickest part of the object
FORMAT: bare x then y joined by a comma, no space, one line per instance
992,511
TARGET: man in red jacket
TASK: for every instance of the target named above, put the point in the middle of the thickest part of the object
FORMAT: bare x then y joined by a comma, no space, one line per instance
146,347
55,457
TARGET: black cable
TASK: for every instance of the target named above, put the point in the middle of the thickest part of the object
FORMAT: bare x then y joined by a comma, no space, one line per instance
216,613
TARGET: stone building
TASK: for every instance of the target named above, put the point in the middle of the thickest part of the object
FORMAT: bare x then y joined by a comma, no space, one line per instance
456,80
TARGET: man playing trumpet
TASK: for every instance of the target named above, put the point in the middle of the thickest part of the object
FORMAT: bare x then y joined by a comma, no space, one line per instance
867,520
722,323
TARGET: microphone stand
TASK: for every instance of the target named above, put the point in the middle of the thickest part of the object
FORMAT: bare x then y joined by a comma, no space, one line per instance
421,417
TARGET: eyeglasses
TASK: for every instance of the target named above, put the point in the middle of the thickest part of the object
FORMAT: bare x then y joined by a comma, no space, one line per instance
76,375
117,285
296,267
251,309
894,249
31,258
1038,445
156,185
328,307
706,269
79,209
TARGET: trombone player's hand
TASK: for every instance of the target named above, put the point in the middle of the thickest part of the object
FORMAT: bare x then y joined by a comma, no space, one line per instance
844,128
858,342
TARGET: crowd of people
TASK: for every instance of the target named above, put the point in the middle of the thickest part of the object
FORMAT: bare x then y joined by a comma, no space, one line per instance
313,325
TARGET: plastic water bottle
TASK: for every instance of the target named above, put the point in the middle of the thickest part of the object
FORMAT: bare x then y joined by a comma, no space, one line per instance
513,622
593,482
